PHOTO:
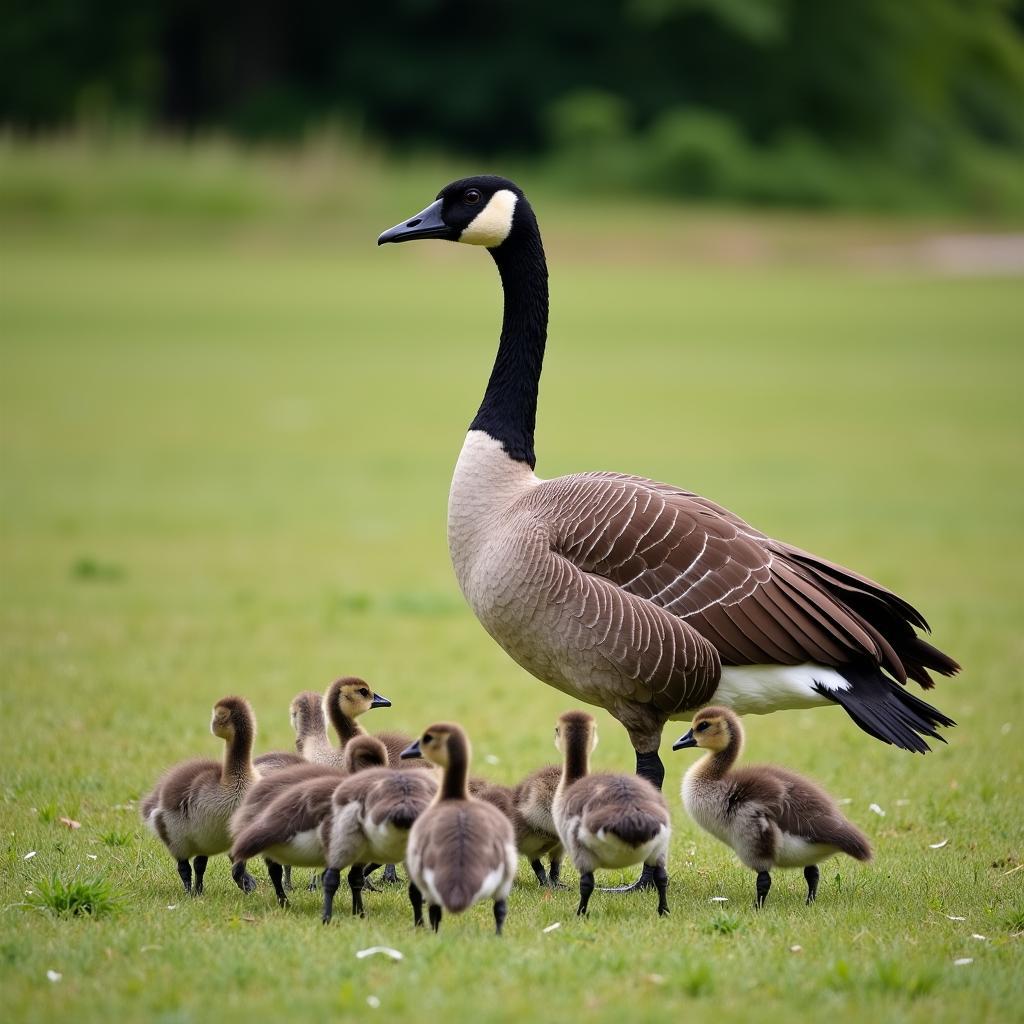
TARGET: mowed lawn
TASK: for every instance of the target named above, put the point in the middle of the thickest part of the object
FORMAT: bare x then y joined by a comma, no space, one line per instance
225,461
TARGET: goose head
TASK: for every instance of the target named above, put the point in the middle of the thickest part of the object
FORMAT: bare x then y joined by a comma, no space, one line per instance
482,210
231,716
354,697
576,730
364,752
439,744
713,729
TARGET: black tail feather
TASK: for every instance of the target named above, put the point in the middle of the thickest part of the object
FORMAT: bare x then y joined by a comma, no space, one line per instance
885,710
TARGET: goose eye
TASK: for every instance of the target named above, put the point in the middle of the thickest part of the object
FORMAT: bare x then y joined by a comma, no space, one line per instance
702,726
427,738
471,196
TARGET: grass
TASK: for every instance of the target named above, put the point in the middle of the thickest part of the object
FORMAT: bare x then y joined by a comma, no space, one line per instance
226,447
94,896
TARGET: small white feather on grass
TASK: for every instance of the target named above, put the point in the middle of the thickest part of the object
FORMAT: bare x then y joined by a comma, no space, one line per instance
956,917
394,954
878,810
54,976
719,899
963,961
939,845
30,854
552,927
373,1002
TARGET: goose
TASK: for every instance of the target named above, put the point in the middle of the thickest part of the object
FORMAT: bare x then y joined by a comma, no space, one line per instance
528,806
368,823
190,807
636,596
770,816
461,850
282,816
606,820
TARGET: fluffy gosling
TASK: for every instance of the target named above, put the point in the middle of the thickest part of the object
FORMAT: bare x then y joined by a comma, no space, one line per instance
605,820
190,807
771,817
461,849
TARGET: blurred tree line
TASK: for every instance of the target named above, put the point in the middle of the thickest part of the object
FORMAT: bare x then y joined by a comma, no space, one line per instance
809,101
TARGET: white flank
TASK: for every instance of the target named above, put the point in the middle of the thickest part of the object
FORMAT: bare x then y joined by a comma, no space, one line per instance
491,226
763,689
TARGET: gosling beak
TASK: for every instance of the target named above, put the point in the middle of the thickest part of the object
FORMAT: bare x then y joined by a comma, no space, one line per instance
413,750
685,741
379,702
426,224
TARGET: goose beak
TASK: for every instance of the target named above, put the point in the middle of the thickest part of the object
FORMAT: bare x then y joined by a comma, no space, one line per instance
379,702
427,223
413,750
685,741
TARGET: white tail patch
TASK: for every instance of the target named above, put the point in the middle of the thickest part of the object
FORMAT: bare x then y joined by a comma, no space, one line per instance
491,226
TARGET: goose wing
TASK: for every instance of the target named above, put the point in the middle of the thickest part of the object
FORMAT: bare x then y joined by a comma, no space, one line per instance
752,599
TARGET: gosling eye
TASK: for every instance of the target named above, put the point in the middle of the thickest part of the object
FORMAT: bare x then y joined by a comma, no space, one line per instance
427,738
471,196
364,692
702,726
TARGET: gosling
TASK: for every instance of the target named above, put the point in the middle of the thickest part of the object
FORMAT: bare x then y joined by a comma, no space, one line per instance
528,806
282,817
605,820
369,822
771,817
190,807
461,849
306,714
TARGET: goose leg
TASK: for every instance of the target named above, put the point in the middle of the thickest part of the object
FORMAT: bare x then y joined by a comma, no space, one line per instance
199,864
764,883
538,869
355,883
276,873
185,871
416,899
331,880
650,767
661,883
435,916
586,888
811,874
500,910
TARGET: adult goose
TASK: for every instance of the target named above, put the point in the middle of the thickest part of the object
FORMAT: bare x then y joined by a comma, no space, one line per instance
639,597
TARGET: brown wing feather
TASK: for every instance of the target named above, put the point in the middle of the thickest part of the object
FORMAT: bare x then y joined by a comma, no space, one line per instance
754,599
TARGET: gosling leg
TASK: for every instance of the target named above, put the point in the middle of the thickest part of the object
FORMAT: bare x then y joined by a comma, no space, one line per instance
416,899
276,873
764,883
538,870
586,888
199,863
355,883
555,874
390,876
435,916
185,871
500,912
811,874
288,887
331,880
661,882
242,878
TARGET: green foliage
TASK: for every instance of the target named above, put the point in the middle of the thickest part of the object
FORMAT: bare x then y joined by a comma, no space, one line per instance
93,897
723,922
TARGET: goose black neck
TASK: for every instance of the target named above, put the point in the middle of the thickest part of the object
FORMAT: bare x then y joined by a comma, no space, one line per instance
508,412
454,782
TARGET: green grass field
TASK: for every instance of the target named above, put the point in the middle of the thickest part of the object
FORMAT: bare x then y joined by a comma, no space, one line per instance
226,448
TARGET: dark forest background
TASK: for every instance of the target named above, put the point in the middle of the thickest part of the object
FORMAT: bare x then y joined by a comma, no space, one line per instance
804,101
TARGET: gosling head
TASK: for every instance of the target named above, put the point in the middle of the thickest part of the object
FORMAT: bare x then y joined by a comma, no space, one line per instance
713,729
354,697
438,743
364,752
576,730
306,712
231,716
482,210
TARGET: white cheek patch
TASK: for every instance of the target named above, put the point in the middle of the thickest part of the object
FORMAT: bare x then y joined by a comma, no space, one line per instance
491,226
